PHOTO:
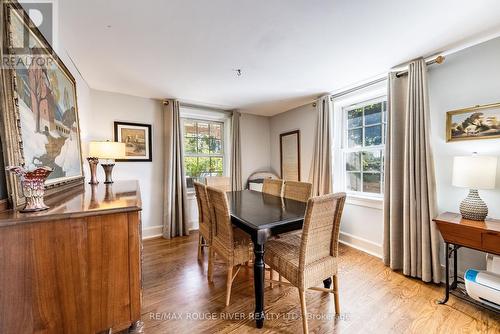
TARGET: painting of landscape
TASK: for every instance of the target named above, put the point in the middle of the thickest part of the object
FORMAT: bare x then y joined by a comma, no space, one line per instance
480,122
137,139
46,97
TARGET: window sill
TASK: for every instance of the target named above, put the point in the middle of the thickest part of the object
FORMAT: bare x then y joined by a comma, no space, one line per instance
368,202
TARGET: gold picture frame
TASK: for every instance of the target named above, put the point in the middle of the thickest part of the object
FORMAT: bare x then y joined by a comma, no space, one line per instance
57,118
473,123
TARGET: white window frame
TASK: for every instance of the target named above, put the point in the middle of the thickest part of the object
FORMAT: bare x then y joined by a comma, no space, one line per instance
200,114
374,93
374,148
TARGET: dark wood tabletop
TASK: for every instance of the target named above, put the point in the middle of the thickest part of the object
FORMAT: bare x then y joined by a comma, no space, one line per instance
263,211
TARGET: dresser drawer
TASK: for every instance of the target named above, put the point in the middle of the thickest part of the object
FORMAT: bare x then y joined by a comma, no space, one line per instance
491,242
468,237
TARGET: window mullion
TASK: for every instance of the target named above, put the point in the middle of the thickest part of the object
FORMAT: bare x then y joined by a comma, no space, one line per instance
359,151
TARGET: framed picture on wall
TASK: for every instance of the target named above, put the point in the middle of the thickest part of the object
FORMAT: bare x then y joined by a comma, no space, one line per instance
479,122
290,155
39,113
137,139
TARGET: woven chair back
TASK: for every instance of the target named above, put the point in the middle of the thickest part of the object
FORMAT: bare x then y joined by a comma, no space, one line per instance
221,218
320,233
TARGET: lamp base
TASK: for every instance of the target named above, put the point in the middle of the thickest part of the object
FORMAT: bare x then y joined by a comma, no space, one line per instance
93,162
473,207
108,170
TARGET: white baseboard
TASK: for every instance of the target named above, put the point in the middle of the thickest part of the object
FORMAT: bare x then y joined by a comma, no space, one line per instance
361,244
150,232
193,225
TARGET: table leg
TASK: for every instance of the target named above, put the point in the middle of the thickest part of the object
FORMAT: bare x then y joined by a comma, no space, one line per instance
327,283
447,273
455,268
258,280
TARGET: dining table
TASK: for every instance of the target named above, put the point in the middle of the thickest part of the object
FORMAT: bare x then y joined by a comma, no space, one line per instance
262,216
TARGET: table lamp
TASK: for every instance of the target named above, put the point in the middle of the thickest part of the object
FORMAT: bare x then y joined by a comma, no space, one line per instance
107,150
474,172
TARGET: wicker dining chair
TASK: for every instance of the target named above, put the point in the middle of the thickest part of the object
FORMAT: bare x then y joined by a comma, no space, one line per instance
228,242
299,191
221,182
204,219
307,260
272,186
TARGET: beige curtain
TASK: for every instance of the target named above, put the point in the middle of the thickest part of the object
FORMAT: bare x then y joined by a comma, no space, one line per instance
236,181
411,240
321,169
174,191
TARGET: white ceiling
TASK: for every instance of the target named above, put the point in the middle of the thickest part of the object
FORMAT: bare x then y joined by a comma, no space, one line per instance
289,51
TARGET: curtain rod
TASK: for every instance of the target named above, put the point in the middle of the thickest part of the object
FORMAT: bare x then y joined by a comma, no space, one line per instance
353,89
195,106
437,60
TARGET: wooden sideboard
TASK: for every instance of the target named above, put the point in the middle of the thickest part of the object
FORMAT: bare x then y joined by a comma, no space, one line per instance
75,268
457,233
479,235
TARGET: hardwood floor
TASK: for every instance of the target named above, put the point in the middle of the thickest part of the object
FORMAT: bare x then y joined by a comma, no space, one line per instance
373,299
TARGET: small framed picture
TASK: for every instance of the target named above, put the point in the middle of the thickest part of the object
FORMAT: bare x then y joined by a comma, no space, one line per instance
479,122
137,139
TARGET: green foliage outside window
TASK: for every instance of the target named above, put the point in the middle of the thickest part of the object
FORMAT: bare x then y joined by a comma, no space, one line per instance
203,149
365,154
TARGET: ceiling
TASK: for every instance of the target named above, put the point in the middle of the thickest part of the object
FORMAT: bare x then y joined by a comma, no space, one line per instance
289,52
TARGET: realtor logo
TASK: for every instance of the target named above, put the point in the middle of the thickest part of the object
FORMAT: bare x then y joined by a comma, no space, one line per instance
41,15
25,44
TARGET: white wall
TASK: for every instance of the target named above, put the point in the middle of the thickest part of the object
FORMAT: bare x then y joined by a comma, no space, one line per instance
255,145
361,225
304,119
468,78
108,107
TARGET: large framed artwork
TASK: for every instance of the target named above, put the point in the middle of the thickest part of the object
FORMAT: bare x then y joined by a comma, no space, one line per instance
39,106
479,122
137,139
290,155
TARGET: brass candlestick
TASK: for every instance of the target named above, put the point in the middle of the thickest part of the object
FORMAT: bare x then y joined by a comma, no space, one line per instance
93,162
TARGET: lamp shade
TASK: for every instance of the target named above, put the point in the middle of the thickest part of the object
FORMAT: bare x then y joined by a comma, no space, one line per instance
475,172
107,150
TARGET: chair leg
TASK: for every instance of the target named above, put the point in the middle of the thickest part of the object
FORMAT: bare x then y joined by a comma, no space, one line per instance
229,283
302,295
211,256
336,294
200,240
271,275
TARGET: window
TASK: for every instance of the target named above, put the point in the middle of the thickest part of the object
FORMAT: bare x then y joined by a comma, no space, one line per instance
364,126
203,149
